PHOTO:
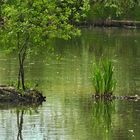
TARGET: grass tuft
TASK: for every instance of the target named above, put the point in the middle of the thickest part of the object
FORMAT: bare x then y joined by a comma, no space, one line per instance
102,78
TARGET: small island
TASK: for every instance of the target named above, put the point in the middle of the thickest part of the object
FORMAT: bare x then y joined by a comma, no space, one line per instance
10,94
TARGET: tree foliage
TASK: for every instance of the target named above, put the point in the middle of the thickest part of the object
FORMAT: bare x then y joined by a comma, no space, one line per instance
32,22
112,8
46,18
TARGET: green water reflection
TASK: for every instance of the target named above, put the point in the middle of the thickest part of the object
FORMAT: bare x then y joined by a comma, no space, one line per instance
102,119
64,77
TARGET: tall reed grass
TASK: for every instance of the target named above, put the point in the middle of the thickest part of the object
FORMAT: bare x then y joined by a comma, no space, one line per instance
102,77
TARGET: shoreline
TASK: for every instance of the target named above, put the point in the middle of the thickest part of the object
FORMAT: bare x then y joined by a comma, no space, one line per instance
128,24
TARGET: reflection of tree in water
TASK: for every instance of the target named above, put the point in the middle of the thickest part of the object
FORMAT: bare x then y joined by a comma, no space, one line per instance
102,118
20,118
20,114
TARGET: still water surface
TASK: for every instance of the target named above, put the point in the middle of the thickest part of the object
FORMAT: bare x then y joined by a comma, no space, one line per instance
69,112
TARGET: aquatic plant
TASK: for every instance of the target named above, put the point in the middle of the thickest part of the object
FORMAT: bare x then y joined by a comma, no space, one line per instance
102,78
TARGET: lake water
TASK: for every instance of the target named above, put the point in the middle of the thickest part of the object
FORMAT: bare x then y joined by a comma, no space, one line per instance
63,74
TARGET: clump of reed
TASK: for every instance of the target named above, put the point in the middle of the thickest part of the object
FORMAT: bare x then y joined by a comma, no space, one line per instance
102,78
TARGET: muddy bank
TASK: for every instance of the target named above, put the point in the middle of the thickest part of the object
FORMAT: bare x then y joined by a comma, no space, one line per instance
10,94
111,23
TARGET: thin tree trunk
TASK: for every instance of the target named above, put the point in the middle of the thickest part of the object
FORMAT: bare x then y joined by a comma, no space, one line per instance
21,81
21,57
19,73
18,46
22,77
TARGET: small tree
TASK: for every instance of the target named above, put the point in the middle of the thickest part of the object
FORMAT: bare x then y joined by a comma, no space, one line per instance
40,20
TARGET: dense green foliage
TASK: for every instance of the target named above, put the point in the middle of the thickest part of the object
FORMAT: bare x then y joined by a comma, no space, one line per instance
33,22
114,9
102,78
46,18
1,3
